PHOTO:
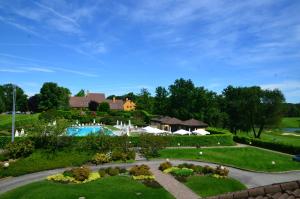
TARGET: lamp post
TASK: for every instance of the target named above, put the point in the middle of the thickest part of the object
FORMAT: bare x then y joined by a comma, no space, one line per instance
13,115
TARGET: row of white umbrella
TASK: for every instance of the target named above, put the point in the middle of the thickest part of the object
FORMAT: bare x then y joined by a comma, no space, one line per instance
152,130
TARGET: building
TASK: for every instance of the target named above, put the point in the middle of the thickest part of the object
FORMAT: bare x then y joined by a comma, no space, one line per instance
173,124
286,190
114,104
129,105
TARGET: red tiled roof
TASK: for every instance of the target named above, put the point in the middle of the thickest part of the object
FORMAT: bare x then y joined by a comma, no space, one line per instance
97,97
285,190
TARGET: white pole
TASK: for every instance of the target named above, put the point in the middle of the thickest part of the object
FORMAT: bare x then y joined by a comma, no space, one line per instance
13,115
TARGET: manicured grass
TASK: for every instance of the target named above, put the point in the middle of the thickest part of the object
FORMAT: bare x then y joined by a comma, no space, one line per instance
276,137
246,158
39,161
22,120
206,186
290,122
111,127
108,188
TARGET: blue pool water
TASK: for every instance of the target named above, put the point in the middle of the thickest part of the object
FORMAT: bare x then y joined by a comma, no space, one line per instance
87,130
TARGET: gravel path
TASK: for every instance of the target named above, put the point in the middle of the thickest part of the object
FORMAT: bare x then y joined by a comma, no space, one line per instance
250,179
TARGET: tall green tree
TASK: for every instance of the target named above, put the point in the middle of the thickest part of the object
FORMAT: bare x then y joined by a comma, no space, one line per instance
81,93
182,98
104,107
21,98
144,100
2,100
161,102
33,103
53,96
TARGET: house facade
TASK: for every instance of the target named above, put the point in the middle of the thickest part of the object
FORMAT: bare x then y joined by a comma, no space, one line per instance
114,104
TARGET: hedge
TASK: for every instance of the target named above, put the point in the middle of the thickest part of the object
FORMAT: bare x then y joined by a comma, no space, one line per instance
285,148
217,137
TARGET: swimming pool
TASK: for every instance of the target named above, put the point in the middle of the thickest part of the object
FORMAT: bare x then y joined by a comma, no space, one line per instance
87,130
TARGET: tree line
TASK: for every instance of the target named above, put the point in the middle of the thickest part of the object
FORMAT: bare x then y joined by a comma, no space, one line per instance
236,108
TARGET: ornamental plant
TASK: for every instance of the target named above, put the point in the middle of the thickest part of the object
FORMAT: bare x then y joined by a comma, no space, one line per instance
100,158
184,172
165,165
19,149
138,170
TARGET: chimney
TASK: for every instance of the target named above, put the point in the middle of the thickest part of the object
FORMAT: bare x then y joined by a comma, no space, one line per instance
114,99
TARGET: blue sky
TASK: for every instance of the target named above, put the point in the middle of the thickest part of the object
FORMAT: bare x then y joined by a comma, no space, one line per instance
120,46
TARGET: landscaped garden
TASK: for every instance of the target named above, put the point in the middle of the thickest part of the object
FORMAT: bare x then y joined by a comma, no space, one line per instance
242,157
205,181
107,187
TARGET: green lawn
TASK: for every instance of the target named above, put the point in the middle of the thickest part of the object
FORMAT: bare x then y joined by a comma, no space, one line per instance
206,186
22,120
39,161
290,122
276,136
111,127
245,158
108,188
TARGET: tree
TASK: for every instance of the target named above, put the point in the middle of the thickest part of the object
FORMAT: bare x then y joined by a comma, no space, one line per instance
93,106
21,98
81,93
160,104
2,98
53,96
144,100
182,99
104,107
33,103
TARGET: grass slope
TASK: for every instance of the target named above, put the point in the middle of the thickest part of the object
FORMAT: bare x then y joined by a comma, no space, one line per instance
206,186
39,161
108,188
245,158
290,122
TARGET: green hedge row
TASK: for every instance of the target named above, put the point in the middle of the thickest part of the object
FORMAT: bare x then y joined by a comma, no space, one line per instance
218,137
285,148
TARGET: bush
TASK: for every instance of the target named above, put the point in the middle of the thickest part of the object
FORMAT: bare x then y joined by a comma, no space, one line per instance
113,171
152,184
221,171
140,170
208,170
81,173
184,172
181,178
150,145
68,173
195,168
19,149
100,158
282,147
118,155
122,170
102,172
165,165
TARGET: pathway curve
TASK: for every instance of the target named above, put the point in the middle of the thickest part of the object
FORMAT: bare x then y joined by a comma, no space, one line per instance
176,188
250,179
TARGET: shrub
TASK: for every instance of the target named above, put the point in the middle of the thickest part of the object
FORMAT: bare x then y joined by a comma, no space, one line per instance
113,171
19,149
102,172
181,178
171,169
221,171
100,158
81,173
68,173
122,170
152,184
140,170
144,177
131,155
195,168
184,172
208,170
150,145
118,155
165,165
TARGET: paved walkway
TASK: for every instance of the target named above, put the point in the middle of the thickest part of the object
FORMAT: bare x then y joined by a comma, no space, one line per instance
177,189
250,179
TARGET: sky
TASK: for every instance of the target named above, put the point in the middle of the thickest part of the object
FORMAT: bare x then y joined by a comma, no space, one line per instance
120,46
